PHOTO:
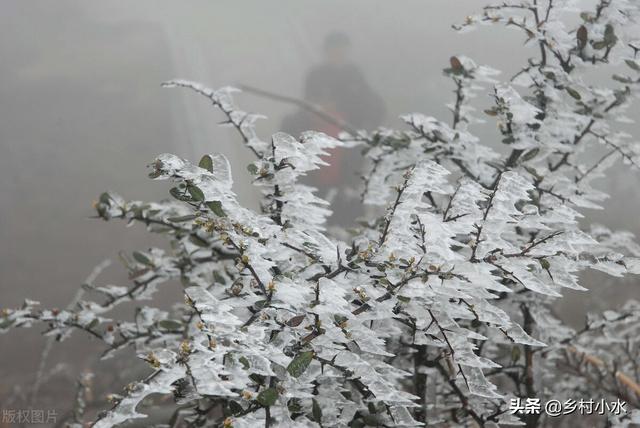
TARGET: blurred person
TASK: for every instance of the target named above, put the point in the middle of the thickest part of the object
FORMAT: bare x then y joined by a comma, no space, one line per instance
340,89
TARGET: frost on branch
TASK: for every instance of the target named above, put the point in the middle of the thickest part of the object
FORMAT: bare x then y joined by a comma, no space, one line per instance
438,308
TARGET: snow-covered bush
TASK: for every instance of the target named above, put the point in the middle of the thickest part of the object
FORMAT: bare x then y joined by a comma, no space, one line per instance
437,308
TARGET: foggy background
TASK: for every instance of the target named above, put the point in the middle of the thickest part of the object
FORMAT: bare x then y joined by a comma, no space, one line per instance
82,111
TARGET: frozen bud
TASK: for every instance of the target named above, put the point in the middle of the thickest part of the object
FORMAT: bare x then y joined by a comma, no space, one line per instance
153,360
361,293
236,288
185,347
114,398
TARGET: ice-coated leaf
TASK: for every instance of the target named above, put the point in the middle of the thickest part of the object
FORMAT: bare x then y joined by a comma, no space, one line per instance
141,258
170,324
196,193
299,364
216,208
316,411
206,162
267,397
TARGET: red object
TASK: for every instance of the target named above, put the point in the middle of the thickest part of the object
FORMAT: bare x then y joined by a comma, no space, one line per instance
331,175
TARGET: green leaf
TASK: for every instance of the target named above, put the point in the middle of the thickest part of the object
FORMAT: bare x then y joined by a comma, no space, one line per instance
6,324
533,172
258,379
235,407
141,258
170,325
456,65
178,194
245,363
196,240
295,321
371,420
105,198
599,45
609,35
631,63
299,364
621,79
252,168
530,154
575,94
357,423
218,278
339,319
267,397
294,405
582,36
545,264
195,193
515,354
216,208
206,163
316,411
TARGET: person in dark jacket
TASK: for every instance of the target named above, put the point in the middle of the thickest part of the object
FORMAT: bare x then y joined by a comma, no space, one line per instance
340,89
